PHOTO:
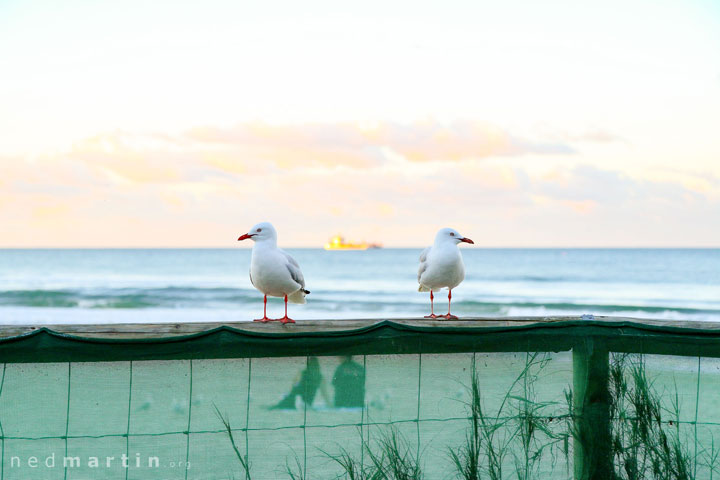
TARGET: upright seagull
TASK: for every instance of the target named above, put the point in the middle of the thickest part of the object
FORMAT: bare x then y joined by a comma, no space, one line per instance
441,266
273,271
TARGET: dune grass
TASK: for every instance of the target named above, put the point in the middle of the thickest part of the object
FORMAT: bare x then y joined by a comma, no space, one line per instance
244,461
647,441
390,456
646,437
519,429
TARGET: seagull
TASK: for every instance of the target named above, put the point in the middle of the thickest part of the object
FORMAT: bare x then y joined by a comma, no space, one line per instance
273,271
441,266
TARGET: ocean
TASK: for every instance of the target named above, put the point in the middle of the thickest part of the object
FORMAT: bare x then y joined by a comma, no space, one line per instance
42,286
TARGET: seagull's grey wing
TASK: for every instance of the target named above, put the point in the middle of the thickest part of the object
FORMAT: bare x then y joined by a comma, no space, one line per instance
251,280
294,269
423,262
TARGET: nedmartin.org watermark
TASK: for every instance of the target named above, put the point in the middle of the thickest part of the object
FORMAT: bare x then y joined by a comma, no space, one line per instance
77,461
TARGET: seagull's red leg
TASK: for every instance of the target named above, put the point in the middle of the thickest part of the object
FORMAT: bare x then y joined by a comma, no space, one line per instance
286,319
449,316
265,317
432,307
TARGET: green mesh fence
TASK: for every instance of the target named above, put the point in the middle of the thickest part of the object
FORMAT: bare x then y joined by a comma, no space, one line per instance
566,400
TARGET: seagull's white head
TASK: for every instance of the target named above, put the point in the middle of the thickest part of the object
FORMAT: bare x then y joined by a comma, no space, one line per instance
261,232
451,235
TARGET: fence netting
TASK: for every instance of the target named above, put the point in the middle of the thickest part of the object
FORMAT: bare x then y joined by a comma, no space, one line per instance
433,416
390,401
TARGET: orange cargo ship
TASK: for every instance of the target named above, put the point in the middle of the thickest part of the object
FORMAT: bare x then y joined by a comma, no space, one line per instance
338,243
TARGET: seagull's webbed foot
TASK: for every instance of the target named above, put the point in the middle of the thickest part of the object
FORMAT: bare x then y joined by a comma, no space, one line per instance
286,319
448,316
263,320
432,315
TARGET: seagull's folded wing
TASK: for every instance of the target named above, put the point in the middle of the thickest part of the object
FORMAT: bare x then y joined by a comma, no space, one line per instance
424,254
294,269
422,268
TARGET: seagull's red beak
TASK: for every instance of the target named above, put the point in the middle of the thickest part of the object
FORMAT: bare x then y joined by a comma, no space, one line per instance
244,237
467,240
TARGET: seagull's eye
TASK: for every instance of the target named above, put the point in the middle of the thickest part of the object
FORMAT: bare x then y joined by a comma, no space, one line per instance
452,234
259,230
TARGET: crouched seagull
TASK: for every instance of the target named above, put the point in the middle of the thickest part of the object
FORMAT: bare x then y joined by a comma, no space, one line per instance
273,271
441,266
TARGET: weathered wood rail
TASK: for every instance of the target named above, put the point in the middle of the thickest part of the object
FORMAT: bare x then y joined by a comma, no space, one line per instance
157,330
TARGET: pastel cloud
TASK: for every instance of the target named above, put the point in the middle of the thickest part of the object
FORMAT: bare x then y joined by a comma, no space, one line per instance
199,187
365,145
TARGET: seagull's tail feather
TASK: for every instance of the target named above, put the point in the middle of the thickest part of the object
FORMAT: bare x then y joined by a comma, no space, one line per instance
298,297
423,288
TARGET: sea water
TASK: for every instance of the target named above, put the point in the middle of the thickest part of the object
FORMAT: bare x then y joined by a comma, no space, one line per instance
177,285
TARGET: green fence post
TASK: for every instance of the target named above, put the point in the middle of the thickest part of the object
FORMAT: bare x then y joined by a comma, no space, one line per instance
591,407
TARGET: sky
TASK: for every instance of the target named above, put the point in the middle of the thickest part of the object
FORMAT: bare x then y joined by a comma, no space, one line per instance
521,124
